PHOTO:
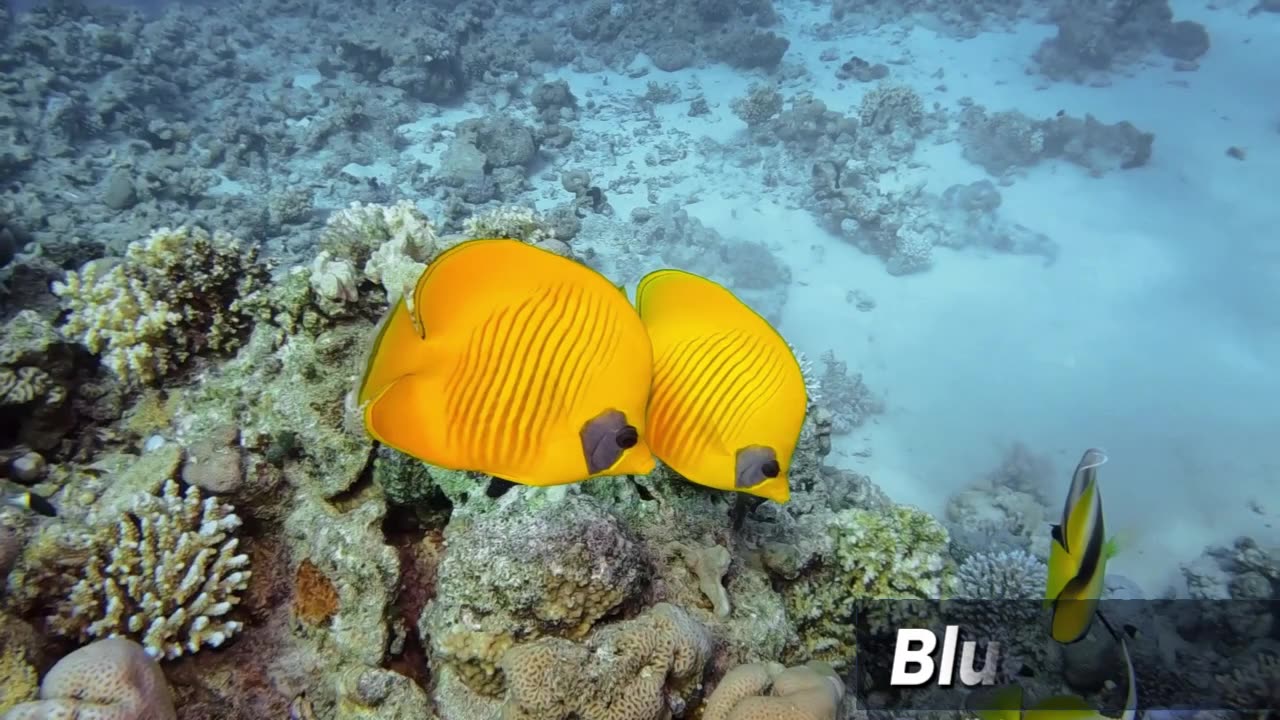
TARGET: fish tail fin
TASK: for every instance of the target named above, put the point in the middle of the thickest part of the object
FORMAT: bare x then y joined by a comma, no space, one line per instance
390,356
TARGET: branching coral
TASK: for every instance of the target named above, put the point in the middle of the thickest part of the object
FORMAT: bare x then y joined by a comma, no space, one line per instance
892,108
166,572
172,295
1006,575
648,668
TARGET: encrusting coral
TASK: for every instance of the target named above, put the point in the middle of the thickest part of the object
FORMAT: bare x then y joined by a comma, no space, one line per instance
167,572
112,679
521,573
768,691
648,668
898,554
173,295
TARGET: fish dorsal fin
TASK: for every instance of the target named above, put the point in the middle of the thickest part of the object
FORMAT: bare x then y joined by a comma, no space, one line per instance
1084,476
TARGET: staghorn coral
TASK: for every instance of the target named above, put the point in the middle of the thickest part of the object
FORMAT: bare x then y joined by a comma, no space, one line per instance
521,573
112,679
173,295
897,554
768,691
166,571
648,668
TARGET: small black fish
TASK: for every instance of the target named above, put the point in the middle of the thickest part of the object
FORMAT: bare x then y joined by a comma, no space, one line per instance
28,500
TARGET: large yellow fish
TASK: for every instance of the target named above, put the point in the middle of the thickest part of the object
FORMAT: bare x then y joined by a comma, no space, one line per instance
522,364
1077,554
728,394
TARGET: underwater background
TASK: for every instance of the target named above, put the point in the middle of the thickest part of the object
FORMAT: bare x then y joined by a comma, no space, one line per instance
996,233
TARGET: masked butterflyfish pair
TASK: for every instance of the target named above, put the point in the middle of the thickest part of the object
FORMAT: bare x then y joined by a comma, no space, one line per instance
536,369
1078,555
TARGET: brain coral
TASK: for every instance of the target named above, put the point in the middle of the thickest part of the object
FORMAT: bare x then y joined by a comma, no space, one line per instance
643,669
524,572
112,679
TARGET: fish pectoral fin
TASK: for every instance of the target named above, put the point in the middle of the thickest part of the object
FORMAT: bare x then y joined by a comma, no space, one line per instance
396,351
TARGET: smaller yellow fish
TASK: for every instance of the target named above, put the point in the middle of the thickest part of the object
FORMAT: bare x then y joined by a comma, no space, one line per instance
728,397
1077,554
1007,703
517,363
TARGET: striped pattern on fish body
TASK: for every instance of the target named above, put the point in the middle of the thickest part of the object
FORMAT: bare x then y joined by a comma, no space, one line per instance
527,362
1077,558
728,397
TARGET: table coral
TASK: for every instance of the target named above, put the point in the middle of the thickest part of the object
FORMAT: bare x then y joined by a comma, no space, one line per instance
898,554
167,571
649,668
173,295
523,572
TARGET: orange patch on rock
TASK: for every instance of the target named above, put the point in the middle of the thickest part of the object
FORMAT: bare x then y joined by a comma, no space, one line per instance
315,599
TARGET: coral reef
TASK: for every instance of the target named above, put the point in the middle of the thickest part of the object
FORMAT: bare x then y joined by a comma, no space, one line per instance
111,679
1006,142
36,365
758,690
177,293
652,668
897,555
167,572
518,574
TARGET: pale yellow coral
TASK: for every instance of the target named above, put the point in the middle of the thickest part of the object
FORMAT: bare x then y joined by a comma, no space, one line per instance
391,243
760,691
642,669
173,294
509,221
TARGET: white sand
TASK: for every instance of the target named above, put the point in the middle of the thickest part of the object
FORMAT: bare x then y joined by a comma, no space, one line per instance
1155,336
